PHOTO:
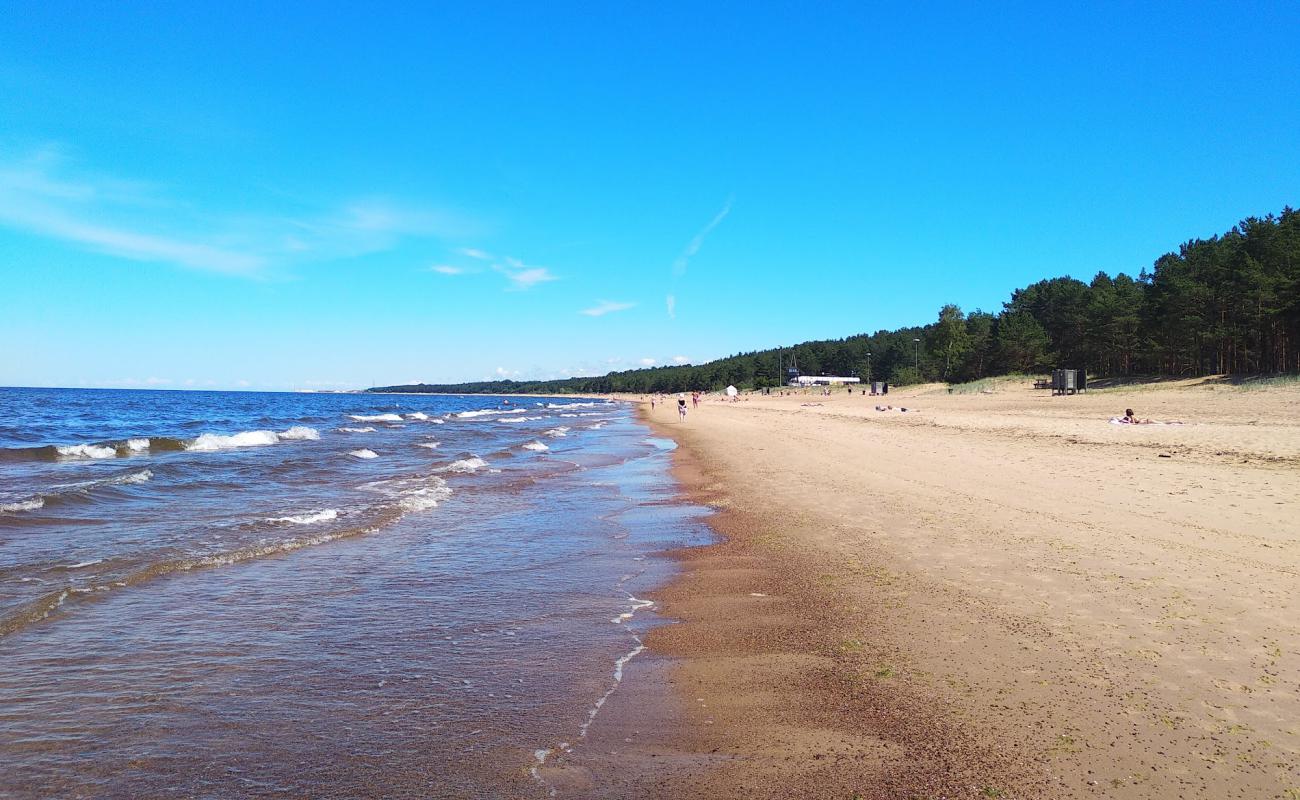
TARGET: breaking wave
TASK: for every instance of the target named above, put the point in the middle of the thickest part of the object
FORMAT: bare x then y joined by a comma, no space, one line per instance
489,412
308,519
301,432
31,504
209,442
375,417
67,491
473,464
86,451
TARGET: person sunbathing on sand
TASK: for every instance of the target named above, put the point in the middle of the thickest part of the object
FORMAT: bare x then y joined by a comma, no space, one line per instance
1130,418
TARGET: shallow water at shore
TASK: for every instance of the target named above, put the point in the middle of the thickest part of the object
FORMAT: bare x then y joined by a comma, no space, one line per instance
214,631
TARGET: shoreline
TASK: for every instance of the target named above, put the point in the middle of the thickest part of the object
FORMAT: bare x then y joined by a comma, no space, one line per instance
896,606
753,693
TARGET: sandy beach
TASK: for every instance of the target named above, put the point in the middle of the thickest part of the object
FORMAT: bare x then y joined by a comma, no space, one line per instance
992,595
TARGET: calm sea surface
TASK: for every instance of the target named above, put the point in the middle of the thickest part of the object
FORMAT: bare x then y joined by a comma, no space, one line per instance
212,594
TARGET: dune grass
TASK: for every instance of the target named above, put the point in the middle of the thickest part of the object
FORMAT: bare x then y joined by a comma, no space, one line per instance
1015,380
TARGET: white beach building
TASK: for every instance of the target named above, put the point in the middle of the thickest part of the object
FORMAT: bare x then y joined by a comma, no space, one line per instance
822,380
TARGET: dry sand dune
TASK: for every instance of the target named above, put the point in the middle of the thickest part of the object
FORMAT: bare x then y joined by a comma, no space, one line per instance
999,595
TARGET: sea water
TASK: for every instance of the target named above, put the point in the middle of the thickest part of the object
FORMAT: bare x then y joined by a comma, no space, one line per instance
211,594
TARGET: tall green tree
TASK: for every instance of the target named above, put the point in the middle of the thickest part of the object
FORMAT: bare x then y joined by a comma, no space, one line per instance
948,339
1022,342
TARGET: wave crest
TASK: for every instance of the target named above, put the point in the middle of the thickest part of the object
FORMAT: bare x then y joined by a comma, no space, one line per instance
375,417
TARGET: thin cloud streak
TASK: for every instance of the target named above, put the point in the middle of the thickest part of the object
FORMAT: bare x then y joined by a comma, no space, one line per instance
447,269
129,244
604,307
139,222
672,306
694,245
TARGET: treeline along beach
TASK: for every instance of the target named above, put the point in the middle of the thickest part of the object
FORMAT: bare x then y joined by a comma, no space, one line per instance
1227,304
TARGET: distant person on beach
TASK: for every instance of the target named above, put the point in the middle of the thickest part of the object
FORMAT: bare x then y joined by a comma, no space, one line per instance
1130,418
652,404
681,408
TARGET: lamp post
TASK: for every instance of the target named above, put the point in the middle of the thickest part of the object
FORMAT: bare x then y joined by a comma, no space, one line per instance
868,368
916,354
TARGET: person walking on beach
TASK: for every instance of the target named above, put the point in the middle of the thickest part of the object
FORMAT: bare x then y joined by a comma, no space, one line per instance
652,404
681,408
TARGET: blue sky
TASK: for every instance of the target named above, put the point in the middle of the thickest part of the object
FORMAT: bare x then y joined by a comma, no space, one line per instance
331,196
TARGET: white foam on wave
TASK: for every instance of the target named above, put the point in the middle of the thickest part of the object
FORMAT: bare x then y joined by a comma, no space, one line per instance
209,442
489,412
366,429
414,493
31,504
300,432
308,519
420,415
430,445
596,426
375,417
136,445
556,433
89,563
636,605
364,453
424,498
86,451
520,419
133,477
466,465
536,445
576,405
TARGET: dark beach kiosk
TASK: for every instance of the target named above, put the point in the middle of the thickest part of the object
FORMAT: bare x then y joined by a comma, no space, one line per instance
1069,381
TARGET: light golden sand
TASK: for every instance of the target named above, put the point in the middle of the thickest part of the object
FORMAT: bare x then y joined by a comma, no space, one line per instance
1000,595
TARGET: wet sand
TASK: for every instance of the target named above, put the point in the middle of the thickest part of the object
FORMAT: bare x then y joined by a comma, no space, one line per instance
1001,595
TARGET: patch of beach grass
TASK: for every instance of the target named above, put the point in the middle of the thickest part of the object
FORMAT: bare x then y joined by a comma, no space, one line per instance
1269,382
1002,382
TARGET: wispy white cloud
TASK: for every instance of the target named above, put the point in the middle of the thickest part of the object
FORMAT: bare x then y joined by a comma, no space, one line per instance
523,277
648,362
447,269
46,195
681,360
604,307
692,247
473,252
696,242
34,200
